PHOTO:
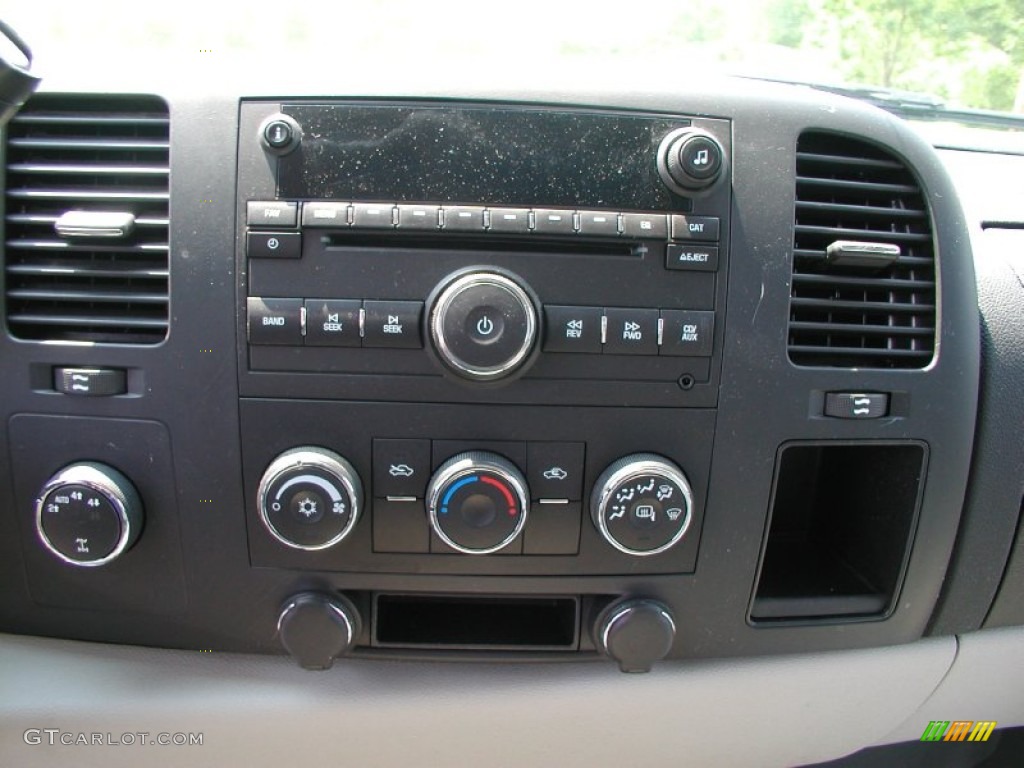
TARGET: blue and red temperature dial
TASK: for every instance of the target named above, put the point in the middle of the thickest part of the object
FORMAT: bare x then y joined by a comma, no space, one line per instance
477,502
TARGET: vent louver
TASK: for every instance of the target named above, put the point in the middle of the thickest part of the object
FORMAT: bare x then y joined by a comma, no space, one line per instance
860,313
87,154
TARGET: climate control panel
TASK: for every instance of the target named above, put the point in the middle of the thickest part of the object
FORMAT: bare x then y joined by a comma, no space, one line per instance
611,491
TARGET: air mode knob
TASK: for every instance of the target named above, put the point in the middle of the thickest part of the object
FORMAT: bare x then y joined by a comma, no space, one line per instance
642,504
310,498
690,160
477,502
88,514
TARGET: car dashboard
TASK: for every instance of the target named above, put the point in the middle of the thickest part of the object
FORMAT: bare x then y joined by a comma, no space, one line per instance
471,397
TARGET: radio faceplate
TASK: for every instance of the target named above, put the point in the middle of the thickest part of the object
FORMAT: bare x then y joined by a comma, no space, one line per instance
627,277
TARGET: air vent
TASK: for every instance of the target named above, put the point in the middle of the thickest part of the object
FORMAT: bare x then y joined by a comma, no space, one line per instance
91,155
855,303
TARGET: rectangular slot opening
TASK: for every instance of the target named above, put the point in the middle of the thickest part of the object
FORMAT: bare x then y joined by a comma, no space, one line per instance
492,623
840,529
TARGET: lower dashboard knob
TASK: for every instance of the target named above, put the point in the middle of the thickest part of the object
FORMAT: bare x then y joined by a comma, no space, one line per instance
635,633
309,498
477,502
642,504
317,628
88,514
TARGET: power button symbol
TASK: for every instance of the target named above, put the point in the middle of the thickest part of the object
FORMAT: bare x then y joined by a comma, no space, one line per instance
484,325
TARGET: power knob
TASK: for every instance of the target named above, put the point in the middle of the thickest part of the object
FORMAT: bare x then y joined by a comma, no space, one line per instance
635,633
317,628
484,325
690,160
88,514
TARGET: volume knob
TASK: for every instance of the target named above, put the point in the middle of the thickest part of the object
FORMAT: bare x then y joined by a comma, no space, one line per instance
483,325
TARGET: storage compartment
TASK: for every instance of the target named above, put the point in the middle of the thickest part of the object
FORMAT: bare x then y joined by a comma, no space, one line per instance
493,623
839,532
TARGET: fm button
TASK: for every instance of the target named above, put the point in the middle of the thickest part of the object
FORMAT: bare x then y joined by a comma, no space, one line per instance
483,325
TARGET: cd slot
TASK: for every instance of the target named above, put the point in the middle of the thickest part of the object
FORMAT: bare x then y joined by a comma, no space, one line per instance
488,243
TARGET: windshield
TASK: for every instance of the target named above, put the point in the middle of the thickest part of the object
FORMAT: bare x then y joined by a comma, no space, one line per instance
959,54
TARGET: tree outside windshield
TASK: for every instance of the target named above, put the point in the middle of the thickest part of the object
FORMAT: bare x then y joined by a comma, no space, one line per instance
968,53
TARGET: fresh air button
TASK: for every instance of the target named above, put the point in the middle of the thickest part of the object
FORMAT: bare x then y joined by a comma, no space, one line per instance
332,322
695,258
573,329
401,468
273,245
515,220
274,321
423,217
271,213
90,382
645,226
695,227
555,470
547,222
393,324
554,529
632,332
372,215
599,223
463,219
687,333
325,214
856,405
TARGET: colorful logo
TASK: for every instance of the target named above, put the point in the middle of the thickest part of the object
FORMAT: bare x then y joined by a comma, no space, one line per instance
958,730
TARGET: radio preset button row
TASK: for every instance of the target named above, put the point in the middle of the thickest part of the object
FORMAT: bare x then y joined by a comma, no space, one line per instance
470,218
623,331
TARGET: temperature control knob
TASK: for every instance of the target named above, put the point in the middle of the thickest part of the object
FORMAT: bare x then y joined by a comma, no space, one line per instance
477,502
88,514
309,498
642,504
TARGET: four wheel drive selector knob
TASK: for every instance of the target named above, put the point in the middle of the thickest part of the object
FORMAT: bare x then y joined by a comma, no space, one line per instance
88,514
310,498
477,502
